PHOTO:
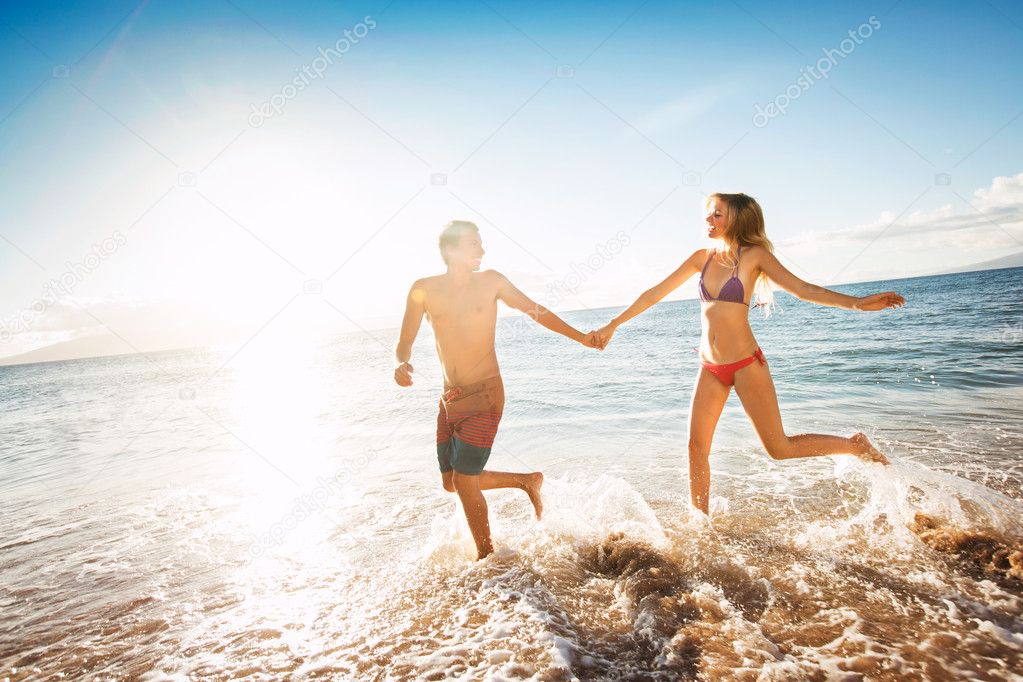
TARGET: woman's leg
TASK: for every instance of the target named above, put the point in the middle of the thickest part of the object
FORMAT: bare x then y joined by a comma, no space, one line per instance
755,389
709,398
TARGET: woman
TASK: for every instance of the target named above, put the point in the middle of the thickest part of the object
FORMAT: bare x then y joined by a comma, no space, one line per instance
729,354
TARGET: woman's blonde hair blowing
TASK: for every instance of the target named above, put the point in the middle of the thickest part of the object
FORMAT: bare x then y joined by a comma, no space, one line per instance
744,226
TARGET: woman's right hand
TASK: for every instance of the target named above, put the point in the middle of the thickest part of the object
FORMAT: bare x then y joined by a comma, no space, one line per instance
887,299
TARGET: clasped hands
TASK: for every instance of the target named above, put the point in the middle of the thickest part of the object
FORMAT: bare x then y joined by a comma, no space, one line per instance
599,338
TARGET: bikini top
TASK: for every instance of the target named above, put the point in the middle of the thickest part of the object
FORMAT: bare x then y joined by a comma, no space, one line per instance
732,291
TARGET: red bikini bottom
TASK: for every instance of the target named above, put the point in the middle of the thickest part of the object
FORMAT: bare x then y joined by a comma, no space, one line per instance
726,373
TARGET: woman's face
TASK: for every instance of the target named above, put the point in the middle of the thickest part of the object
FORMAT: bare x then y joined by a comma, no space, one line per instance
717,216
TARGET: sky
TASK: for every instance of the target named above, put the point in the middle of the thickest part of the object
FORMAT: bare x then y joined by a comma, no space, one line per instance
184,173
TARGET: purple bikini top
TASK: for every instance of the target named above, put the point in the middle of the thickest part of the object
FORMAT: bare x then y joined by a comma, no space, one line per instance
732,291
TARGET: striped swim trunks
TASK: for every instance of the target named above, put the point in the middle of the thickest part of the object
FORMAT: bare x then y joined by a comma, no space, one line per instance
467,425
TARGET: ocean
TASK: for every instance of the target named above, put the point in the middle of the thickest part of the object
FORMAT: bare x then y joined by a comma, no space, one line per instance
274,511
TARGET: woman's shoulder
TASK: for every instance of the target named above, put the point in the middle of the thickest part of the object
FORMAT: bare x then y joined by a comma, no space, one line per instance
699,256
755,251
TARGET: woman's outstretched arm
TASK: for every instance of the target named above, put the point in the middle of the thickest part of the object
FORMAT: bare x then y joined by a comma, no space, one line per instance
651,296
780,275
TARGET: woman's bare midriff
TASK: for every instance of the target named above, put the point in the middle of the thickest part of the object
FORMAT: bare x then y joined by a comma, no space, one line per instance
727,336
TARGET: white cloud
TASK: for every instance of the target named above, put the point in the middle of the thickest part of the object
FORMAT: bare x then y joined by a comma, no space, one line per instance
1004,191
919,242
146,324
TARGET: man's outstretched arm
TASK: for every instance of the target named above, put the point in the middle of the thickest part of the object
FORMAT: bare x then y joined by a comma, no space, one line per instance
415,306
513,298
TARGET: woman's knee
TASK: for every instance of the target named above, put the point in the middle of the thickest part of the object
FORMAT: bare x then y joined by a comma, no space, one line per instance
699,447
778,448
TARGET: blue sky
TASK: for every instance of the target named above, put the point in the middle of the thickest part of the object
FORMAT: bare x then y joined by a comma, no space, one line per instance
555,128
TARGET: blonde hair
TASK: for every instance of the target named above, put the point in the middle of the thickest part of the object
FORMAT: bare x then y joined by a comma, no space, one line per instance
744,226
452,233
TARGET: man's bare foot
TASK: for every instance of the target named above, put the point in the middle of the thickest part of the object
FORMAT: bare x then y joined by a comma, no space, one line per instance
868,452
533,485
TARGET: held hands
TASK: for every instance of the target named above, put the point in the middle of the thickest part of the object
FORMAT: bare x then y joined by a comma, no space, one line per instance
601,337
403,374
593,339
589,340
888,299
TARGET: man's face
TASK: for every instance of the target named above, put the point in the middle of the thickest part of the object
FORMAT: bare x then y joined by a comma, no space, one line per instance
468,253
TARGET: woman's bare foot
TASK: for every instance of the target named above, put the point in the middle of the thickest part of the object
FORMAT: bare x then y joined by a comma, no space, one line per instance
867,451
532,488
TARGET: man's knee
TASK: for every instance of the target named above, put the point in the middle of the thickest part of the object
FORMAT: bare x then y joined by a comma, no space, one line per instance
446,481
464,482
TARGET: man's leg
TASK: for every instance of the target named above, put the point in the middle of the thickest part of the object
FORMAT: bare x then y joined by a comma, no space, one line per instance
444,448
530,483
475,506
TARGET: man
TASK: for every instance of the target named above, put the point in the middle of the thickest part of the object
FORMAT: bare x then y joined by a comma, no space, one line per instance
462,308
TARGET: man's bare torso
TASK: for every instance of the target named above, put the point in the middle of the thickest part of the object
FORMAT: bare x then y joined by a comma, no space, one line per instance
464,318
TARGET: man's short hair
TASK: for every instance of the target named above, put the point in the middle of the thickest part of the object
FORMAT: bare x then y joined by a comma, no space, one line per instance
452,234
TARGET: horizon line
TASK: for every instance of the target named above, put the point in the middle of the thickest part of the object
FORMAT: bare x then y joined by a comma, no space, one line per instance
392,327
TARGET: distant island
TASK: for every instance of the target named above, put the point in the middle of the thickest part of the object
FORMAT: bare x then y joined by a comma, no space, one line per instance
1014,260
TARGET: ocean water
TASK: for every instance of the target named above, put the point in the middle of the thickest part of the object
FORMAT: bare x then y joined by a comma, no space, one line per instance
274,511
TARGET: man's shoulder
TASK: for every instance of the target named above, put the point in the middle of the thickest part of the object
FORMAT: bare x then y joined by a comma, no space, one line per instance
491,276
492,280
426,282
